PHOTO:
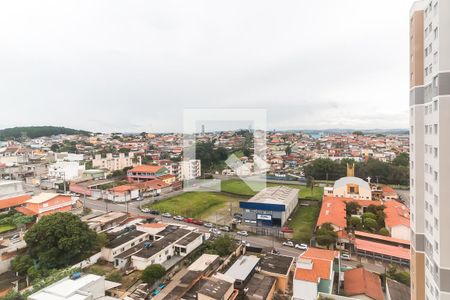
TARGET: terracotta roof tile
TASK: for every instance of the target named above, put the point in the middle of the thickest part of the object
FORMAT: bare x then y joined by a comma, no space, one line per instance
362,282
13,201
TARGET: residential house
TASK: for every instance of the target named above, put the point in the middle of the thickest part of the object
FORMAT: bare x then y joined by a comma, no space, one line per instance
145,173
362,284
314,273
46,204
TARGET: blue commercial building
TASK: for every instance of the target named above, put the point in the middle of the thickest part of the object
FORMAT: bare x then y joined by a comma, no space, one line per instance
269,208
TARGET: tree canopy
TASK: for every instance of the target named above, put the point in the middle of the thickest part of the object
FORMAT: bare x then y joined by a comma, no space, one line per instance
396,172
37,131
59,240
152,273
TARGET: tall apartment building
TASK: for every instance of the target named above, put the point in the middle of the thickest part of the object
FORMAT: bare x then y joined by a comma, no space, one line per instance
190,169
430,149
114,162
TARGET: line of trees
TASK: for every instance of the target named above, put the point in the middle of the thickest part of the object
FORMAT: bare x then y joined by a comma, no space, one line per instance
37,131
395,172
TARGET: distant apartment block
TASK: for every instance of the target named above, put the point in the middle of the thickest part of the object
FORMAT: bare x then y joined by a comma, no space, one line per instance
114,162
66,170
190,169
430,149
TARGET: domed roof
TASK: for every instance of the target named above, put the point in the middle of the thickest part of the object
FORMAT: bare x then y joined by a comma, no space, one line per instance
351,180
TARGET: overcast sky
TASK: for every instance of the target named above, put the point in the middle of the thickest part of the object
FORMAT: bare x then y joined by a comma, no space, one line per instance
135,65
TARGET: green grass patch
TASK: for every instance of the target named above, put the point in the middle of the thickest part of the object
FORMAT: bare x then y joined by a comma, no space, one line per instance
239,187
193,204
5,228
303,222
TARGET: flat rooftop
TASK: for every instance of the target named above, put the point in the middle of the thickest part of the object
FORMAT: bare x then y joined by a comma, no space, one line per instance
242,268
259,286
275,195
162,243
215,288
66,289
189,239
123,238
203,262
277,264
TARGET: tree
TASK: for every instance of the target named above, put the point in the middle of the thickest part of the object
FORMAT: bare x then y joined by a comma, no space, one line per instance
401,160
59,240
223,245
152,273
21,264
358,132
352,207
356,223
288,150
369,215
326,236
370,224
115,276
384,231
54,147
310,183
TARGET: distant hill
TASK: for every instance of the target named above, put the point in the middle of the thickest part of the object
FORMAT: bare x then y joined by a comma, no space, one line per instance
37,131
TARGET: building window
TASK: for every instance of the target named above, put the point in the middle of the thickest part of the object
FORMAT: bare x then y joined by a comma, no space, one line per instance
436,246
435,128
435,152
435,176
436,32
436,200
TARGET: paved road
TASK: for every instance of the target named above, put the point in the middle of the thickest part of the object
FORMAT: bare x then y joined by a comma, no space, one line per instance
133,208
266,242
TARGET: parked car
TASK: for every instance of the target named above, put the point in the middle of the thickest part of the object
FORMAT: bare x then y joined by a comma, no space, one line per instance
287,230
197,222
225,228
208,225
145,210
345,256
188,220
301,246
288,244
275,251
236,221
246,244
242,233
178,218
237,215
154,212
167,215
215,231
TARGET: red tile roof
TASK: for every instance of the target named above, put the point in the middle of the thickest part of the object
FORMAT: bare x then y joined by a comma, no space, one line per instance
381,237
320,269
123,188
322,264
146,169
152,184
396,214
13,201
362,282
25,211
332,211
395,251
388,191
